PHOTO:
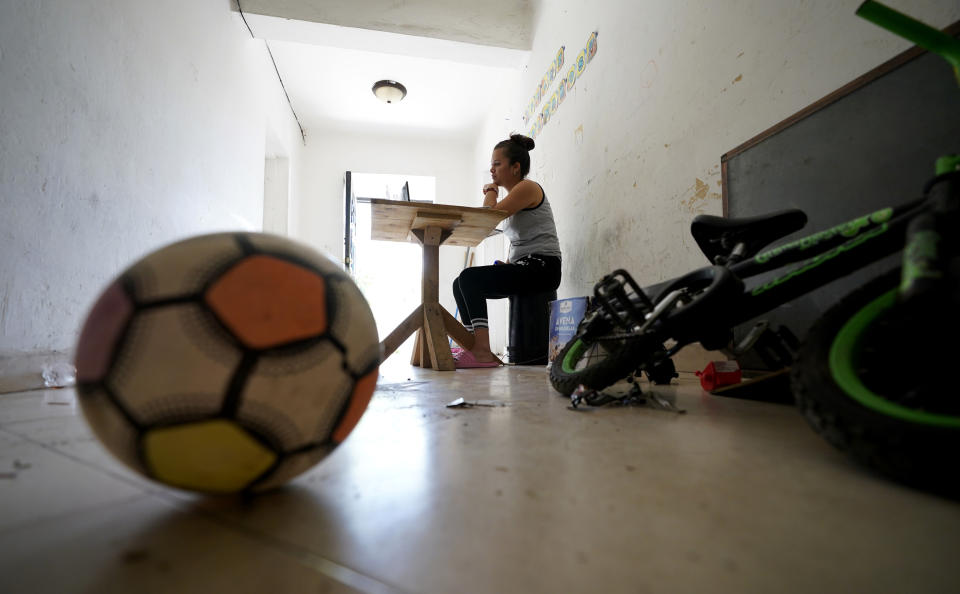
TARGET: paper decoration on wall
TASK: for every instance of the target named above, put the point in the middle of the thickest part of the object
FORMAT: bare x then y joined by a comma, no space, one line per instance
545,81
566,85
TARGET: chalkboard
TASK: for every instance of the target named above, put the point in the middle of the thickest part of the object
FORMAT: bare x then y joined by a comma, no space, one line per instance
868,145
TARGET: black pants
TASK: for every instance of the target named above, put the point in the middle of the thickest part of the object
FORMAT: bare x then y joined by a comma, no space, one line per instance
530,274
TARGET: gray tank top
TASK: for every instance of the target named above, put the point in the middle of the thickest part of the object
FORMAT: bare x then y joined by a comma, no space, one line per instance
533,231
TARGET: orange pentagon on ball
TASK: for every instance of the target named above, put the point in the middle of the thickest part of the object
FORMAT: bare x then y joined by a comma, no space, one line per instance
267,302
362,393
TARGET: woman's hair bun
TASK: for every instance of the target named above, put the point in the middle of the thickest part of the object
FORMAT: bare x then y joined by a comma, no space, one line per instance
524,141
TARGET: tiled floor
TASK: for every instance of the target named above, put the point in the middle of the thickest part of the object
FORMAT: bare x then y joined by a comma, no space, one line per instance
733,496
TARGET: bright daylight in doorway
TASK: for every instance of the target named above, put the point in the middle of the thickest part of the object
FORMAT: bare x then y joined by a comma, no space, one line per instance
388,272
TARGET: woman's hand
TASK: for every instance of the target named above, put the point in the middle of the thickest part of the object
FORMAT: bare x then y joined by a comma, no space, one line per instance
490,194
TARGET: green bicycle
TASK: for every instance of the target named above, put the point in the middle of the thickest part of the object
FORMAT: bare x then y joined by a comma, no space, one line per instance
844,377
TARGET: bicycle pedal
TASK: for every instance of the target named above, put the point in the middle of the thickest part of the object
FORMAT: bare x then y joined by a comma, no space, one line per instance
578,395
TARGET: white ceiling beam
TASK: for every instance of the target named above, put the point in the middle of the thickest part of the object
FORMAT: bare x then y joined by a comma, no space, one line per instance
281,29
496,23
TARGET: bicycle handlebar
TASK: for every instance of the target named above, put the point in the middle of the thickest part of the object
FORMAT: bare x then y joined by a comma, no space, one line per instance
913,30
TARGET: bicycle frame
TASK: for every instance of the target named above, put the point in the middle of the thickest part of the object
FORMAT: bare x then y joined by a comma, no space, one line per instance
829,255
823,257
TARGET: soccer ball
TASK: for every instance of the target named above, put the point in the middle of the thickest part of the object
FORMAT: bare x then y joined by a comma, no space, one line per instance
228,362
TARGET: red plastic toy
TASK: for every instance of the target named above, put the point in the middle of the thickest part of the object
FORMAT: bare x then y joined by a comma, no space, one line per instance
719,373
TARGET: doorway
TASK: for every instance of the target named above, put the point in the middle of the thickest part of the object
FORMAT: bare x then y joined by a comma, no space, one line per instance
387,272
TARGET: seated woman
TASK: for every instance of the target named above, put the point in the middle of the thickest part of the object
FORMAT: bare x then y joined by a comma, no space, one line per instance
534,260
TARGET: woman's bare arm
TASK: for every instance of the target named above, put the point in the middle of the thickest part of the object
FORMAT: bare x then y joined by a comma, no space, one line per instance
523,195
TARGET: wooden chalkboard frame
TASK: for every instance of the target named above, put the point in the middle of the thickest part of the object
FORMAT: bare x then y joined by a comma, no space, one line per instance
888,66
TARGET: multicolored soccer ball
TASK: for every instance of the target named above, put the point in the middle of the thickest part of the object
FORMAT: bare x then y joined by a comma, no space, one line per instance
228,362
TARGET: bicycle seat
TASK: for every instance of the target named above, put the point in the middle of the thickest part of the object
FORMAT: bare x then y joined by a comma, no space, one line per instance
717,236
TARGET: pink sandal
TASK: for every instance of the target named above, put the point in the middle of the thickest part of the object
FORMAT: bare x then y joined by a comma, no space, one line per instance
465,360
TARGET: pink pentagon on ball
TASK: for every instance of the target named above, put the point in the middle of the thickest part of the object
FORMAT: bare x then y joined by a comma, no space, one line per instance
100,333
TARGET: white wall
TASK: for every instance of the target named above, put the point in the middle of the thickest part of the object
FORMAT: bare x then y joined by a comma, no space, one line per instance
634,151
276,195
124,126
317,214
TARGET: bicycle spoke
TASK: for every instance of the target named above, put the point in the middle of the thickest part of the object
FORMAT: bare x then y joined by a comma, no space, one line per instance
594,354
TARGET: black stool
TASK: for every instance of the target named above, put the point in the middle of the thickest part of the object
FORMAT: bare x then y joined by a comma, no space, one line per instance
529,328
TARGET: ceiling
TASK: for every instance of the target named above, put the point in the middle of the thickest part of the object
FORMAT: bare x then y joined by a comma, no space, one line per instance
451,55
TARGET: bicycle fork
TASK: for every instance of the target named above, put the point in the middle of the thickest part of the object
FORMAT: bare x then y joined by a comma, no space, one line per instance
930,254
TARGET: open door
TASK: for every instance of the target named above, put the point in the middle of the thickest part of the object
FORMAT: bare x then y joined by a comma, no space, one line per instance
350,230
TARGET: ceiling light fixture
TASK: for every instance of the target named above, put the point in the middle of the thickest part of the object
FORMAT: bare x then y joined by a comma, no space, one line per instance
389,91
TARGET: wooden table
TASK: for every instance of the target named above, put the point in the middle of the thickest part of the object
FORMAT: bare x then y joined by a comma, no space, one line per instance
431,225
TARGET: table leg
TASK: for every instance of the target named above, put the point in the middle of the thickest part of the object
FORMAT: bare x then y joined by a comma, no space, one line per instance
456,330
421,355
407,327
430,320
436,337
437,351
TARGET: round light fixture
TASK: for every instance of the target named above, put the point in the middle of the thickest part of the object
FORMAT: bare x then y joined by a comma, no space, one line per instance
389,91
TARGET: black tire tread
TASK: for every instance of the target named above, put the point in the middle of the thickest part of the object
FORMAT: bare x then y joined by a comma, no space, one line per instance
914,454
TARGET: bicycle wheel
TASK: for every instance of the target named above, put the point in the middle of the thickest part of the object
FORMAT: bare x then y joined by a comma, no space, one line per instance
868,379
597,364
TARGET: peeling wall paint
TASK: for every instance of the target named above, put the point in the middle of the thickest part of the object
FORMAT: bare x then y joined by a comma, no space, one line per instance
635,152
695,202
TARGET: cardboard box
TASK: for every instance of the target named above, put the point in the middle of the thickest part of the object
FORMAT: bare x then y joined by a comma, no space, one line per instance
565,316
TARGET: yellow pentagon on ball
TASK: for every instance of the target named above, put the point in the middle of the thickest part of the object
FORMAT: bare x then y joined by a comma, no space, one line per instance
216,456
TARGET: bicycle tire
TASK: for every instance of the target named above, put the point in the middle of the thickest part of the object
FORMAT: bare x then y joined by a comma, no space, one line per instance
623,358
909,445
